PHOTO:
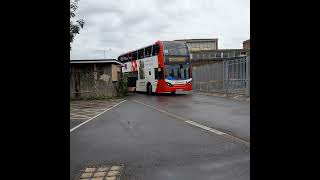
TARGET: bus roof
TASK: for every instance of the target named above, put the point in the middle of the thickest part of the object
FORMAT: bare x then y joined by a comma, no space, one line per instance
159,41
139,48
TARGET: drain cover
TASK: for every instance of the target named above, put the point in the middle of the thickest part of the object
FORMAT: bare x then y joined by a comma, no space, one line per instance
107,172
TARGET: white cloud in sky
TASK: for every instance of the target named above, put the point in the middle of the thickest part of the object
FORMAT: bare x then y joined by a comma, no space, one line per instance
125,25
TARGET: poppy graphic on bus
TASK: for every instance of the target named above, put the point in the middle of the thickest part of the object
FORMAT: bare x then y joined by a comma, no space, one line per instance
141,72
134,65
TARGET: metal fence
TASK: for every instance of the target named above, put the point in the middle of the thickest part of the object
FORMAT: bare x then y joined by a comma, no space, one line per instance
228,76
208,78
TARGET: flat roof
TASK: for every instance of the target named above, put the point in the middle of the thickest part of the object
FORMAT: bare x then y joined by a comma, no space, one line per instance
212,39
93,61
217,50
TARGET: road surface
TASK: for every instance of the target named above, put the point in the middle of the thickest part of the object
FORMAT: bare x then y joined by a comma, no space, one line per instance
154,145
228,115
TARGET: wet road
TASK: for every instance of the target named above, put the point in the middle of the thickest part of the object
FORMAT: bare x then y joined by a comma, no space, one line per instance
228,115
152,145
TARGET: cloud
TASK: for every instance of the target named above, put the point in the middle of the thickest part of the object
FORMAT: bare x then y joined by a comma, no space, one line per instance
125,25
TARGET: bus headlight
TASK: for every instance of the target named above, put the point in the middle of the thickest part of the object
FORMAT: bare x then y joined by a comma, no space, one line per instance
169,84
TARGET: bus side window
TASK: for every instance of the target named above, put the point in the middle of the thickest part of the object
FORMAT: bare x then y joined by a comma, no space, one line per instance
134,55
148,51
158,73
156,49
130,56
141,54
127,57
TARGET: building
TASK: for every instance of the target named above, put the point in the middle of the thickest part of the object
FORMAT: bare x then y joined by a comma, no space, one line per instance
196,45
94,78
204,51
246,44
205,57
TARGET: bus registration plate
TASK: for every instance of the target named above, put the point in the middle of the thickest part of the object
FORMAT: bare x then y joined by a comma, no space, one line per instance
179,90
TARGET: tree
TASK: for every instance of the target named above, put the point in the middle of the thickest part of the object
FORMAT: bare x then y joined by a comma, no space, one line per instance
74,27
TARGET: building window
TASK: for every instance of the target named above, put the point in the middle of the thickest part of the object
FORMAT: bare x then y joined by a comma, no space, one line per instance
204,45
218,54
231,54
225,54
205,55
243,53
212,55
201,46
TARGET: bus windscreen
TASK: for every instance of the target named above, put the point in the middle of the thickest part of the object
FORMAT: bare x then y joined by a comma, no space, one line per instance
175,49
178,71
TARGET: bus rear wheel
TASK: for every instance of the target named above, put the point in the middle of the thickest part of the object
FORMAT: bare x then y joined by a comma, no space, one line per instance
149,89
173,92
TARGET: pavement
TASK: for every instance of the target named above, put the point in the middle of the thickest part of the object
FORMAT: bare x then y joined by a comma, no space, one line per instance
81,111
152,142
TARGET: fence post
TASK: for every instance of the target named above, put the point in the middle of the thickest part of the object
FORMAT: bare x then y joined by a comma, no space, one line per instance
225,77
248,75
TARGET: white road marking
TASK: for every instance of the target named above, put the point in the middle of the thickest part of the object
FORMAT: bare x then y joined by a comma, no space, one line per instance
197,124
205,127
95,116
235,97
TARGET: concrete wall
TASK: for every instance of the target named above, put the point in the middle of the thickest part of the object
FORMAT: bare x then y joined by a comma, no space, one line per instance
92,80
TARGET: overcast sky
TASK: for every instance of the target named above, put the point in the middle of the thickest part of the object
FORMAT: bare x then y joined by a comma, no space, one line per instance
124,25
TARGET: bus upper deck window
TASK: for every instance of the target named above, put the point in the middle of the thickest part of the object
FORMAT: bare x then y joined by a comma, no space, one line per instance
148,51
156,49
134,55
141,54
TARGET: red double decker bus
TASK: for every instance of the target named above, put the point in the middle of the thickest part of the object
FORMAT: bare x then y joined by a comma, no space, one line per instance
162,67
